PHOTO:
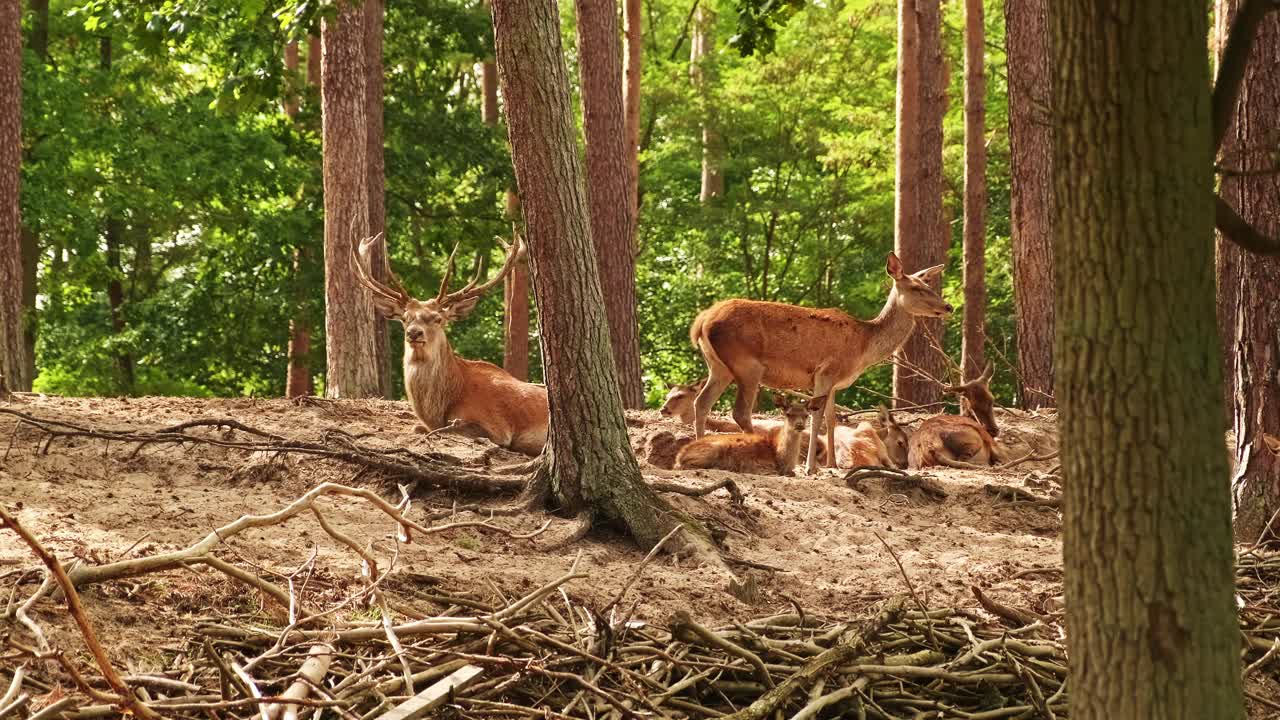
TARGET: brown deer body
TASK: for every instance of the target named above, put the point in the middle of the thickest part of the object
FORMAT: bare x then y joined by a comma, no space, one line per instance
958,441
679,404
823,351
444,389
861,446
772,453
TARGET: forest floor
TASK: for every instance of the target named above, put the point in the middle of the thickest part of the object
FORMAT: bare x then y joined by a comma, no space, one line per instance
100,501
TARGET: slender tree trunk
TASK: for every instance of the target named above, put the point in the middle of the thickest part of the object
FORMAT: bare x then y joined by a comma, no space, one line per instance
515,297
1147,546
588,467
632,65
374,81
702,70
1031,197
13,365
608,186
298,380
920,231
975,194
39,43
1249,285
353,369
315,51
113,236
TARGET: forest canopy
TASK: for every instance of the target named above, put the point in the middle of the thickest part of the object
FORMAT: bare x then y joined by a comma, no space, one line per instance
156,156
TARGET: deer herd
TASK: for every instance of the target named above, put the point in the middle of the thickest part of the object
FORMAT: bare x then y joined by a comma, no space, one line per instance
806,355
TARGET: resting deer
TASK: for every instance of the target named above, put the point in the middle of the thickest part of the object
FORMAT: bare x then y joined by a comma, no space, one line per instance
679,404
957,441
749,342
443,388
866,445
761,454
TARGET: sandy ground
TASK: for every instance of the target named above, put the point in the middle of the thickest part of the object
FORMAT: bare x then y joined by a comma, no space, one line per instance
99,502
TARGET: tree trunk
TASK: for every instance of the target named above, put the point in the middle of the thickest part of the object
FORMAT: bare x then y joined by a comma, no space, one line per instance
1147,546
920,231
39,44
352,361
373,16
1249,285
975,195
298,378
702,71
632,65
113,235
1031,197
608,186
588,467
515,296
13,364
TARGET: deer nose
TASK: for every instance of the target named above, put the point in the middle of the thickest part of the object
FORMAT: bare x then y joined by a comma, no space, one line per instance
415,334
665,411
947,307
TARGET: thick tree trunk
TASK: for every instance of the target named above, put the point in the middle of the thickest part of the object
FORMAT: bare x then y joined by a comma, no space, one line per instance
515,296
374,81
1031,197
1147,546
588,465
975,194
608,187
1249,285
920,231
632,65
352,361
13,364
702,71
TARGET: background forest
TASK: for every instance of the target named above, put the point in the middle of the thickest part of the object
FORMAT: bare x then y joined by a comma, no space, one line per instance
178,210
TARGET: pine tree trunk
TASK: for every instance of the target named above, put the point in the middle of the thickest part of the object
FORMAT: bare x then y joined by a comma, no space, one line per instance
702,72
374,81
1031,197
1147,547
13,365
608,186
39,44
1249,285
298,377
920,231
113,236
588,467
975,195
632,66
515,294
352,361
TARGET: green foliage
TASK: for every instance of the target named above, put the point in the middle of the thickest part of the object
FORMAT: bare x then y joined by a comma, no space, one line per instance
184,143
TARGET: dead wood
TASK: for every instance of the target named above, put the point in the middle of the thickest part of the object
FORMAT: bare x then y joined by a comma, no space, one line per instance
900,481
1017,616
1009,492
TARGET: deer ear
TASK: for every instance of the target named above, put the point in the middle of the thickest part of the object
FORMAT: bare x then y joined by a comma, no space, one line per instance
816,403
893,266
461,309
386,307
931,274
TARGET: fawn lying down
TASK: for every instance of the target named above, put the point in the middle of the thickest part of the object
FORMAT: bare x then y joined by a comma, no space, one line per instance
774,452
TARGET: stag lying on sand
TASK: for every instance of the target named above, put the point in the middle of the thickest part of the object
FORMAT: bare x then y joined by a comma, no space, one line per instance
443,388
959,441
822,351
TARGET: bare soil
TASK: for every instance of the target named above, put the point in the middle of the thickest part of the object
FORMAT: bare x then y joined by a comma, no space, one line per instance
97,502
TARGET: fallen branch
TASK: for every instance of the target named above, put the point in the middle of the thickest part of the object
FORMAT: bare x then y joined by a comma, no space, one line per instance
1008,492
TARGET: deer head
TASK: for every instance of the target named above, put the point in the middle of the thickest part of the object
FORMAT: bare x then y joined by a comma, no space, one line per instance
680,400
914,293
425,321
895,437
977,401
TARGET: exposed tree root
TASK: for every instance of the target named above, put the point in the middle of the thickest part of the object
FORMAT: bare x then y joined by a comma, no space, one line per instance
1030,457
1009,492
899,481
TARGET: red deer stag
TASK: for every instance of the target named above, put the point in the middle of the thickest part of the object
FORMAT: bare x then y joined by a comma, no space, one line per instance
774,453
445,389
749,342
958,441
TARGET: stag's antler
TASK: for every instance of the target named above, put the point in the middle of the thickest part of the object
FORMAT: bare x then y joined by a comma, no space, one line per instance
360,259
473,288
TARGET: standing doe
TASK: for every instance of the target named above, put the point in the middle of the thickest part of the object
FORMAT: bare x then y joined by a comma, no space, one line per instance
443,388
823,351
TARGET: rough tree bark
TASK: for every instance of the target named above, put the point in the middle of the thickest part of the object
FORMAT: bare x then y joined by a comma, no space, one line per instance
298,378
632,65
975,195
376,164
702,73
352,368
609,187
13,365
1147,546
1249,284
1031,197
587,467
920,230
515,295
39,44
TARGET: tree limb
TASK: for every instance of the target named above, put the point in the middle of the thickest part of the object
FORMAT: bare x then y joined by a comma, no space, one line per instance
1239,231
1235,57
